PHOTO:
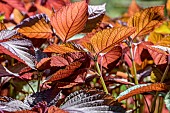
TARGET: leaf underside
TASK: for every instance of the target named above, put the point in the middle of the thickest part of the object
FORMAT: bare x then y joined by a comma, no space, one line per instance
91,101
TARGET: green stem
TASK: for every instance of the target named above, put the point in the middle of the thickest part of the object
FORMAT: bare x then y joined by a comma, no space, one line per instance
161,100
28,84
101,77
39,79
134,75
165,73
162,79
11,89
154,103
133,66
165,10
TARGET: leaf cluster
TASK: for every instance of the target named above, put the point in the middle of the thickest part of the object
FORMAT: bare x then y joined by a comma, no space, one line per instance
63,57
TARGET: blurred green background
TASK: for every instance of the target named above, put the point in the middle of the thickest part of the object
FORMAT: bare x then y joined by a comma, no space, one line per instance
115,8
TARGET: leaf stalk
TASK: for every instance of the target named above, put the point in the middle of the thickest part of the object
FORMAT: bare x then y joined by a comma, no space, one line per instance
101,77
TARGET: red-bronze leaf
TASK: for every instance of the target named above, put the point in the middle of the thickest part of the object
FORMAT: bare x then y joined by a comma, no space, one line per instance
158,54
63,73
56,4
105,40
138,49
6,8
142,88
16,4
64,48
58,61
53,109
146,20
70,20
37,26
110,56
44,63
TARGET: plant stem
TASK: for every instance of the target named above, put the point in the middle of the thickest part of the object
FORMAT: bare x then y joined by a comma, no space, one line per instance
161,100
146,103
162,79
39,79
134,72
165,73
101,77
133,66
28,84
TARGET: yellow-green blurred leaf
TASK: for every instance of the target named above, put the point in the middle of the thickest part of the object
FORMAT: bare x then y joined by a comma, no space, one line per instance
164,28
156,75
155,37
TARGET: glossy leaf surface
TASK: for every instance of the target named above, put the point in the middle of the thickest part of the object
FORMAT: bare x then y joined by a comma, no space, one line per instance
63,73
146,20
18,49
64,48
110,56
37,26
141,88
91,101
104,40
70,20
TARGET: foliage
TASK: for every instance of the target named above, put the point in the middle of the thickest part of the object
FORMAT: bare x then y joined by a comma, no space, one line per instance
113,65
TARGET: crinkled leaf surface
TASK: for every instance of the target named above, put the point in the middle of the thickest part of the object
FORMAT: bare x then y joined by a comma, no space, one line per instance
146,20
58,61
63,73
158,53
63,48
155,37
159,39
103,41
141,88
6,34
110,56
91,101
51,96
12,105
19,49
37,26
70,19
96,14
